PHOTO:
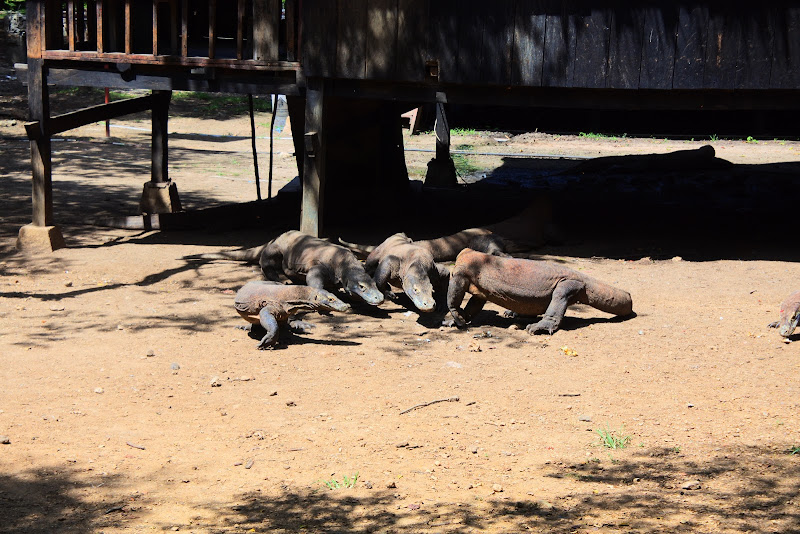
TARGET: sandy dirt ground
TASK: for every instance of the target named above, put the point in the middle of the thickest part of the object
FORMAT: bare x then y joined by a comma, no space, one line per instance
131,403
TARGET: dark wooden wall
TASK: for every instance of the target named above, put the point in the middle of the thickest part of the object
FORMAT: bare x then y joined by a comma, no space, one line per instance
538,43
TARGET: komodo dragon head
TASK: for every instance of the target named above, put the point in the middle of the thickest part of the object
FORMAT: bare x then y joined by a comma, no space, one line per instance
790,316
418,287
327,301
358,283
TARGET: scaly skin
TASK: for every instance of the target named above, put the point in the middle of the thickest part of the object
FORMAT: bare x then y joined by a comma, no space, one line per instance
790,315
318,263
402,263
527,287
272,304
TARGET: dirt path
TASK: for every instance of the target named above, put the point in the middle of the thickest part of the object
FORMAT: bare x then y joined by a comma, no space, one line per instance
131,403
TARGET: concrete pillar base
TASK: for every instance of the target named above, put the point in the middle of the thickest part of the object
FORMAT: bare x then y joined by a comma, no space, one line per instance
441,173
160,197
34,238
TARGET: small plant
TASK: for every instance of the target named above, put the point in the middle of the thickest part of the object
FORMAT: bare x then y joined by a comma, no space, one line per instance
463,131
794,450
611,440
751,139
714,137
346,483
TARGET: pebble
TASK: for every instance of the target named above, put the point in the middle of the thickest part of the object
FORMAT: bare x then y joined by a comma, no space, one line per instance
585,418
391,484
5,440
455,365
150,353
691,485
291,403
175,366
474,450
67,284
402,444
99,390
56,307
368,484
497,488
215,382
544,506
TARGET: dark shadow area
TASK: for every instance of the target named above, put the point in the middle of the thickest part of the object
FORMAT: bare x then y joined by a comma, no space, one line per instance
46,501
746,489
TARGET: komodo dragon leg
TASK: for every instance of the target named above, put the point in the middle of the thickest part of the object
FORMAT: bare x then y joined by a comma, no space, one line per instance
319,277
563,294
455,295
299,326
387,269
271,262
270,324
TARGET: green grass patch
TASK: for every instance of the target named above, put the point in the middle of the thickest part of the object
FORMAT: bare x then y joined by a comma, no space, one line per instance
463,131
463,164
794,450
596,136
346,483
613,440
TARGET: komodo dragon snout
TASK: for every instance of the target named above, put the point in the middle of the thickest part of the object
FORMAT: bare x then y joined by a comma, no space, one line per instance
361,285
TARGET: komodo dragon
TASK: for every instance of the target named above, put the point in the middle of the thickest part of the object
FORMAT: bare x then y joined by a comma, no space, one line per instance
400,262
527,287
790,315
272,304
530,228
309,260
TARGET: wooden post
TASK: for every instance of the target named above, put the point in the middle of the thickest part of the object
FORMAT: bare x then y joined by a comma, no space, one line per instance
311,211
39,109
441,169
159,172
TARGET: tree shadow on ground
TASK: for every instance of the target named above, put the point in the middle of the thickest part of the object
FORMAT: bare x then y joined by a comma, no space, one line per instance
750,489
46,501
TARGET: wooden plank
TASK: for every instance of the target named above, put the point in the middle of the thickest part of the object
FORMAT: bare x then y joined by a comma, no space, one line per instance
128,28
412,39
212,28
314,159
266,17
184,28
39,109
755,54
290,7
89,115
160,149
625,47
658,50
100,42
471,26
155,27
528,48
443,38
690,47
381,46
592,41
318,38
35,37
149,59
498,42
71,24
240,30
785,71
351,47
559,46
722,46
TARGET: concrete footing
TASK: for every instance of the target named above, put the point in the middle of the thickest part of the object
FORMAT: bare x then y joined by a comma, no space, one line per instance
160,197
34,238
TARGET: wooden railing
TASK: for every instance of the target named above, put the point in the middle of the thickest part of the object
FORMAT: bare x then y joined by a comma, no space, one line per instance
256,35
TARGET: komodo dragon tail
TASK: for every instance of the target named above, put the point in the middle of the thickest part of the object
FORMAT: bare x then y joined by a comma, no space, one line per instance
361,251
608,298
249,255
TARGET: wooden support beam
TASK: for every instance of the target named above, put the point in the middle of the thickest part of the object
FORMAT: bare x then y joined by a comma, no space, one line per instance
159,172
71,24
266,17
39,108
212,28
240,30
155,27
314,159
100,43
128,28
68,121
184,28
